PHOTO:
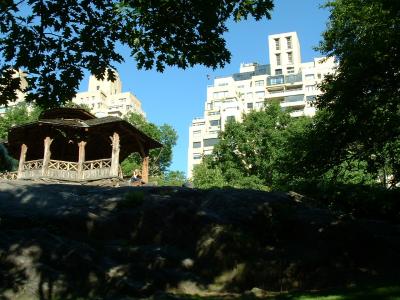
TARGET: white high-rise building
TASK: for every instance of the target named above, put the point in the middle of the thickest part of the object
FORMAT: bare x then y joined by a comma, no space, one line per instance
105,97
286,79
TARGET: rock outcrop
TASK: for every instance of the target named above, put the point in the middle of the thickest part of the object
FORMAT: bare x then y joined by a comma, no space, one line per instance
115,243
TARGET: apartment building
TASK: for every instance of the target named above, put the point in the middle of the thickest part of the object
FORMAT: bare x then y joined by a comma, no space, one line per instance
106,98
285,79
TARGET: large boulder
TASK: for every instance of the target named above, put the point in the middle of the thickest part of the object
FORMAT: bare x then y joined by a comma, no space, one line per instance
117,243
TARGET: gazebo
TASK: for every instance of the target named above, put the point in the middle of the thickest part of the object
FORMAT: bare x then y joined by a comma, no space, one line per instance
72,144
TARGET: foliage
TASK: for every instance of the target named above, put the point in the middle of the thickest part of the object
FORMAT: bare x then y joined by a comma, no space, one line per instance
71,104
360,109
247,154
54,41
17,115
170,178
7,163
159,159
205,175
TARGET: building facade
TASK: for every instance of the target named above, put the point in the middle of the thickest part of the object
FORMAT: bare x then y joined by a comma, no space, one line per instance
106,98
286,79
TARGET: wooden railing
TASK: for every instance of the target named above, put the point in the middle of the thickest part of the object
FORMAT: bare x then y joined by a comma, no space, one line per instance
33,165
63,165
67,170
97,164
8,175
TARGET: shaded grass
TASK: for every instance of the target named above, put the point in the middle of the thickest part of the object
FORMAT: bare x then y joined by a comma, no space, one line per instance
359,293
366,293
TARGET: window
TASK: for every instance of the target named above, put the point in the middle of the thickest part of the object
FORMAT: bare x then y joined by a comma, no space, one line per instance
290,57
128,107
122,99
213,113
319,76
240,86
289,42
309,77
249,95
278,59
207,152
259,105
97,87
196,144
260,94
278,71
214,122
277,80
290,70
197,133
277,44
220,95
250,105
98,105
196,155
92,98
259,83
230,118
210,142
310,88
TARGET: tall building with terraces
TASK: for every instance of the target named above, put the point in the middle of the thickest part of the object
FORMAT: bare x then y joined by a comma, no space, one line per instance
285,79
105,97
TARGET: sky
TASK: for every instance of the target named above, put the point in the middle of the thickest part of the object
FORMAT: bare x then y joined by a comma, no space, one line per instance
177,96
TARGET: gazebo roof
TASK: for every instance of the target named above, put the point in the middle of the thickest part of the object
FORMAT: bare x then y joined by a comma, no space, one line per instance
69,126
67,113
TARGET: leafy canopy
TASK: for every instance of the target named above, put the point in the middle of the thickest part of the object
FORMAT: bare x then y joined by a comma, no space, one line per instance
248,154
360,106
53,41
159,159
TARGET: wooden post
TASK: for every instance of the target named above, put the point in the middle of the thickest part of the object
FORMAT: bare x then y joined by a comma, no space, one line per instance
114,154
22,159
46,156
145,167
81,159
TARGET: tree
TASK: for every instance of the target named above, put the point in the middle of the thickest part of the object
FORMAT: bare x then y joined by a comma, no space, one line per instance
160,159
7,163
170,178
17,115
53,41
360,106
248,152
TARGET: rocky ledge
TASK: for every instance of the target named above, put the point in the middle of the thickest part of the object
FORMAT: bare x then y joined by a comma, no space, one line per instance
67,241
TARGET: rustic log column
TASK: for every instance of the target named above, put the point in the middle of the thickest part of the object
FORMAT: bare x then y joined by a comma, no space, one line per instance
46,156
22,159
81,159
114,154
145,167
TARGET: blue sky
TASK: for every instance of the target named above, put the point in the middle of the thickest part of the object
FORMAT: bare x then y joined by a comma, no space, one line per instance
177,96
